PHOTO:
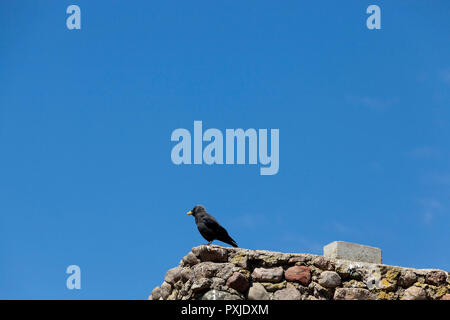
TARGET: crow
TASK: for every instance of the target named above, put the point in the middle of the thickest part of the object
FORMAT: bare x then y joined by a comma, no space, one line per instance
209,228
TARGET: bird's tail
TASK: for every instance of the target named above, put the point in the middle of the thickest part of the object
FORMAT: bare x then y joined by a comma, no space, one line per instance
230,241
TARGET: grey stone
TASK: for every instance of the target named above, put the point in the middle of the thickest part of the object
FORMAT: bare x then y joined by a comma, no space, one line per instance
257,292
373,278
239,260
268,274
219,295
217,282
354,284
205,270
186,274
238,282
289,293
351,294
190,259
415,293
298,260
436,277
329,279
323,263
166,288
173,275
272,287
211,253
156,293
201,284
319,291
225,270
407,278
352,251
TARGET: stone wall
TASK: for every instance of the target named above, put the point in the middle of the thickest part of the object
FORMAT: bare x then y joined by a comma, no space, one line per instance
222,273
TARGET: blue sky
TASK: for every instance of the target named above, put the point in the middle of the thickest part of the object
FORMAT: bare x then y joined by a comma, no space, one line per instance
86,176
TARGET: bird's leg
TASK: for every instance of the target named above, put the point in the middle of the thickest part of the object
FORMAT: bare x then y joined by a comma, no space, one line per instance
209,242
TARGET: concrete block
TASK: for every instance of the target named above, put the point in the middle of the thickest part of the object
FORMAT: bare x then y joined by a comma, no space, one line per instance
352,251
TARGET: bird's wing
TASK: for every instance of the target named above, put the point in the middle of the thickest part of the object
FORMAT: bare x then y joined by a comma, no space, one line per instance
211,223
210,218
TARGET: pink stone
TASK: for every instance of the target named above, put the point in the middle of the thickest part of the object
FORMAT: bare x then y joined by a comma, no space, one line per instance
268,274
238,282
300,274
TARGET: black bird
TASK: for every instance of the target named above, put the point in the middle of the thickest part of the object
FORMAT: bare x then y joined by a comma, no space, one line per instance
209,228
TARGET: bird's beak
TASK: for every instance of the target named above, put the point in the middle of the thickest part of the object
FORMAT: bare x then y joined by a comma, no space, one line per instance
189,213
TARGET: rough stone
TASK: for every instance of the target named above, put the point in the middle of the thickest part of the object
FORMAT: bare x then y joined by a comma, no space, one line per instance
436,277
173,275
300,274
211,253
219,295
205,270
268,274
329,279
186,274
166,288
352,251
298,259
373,278
353,284
201,284
238,282
217,282
271,287
225,270
257,292
269,259
389,282
156,293
173,295
323,263
383,295
415,293
351,294
407,278
190,259
240,260
320,292
289,293
445,297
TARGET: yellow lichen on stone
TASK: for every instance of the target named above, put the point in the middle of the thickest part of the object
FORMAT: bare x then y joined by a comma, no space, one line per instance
353,284
274,286
173,295
421,284
245,272
270,260
392,275
382,295
420,280
441,291
240,260
387,285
